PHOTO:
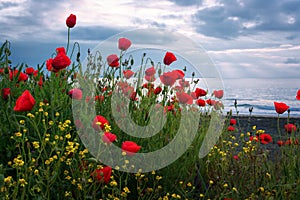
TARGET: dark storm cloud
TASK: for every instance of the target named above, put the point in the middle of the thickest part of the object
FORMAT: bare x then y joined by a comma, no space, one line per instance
243,17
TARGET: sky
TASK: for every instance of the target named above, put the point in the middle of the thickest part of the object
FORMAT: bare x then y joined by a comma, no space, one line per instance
244,38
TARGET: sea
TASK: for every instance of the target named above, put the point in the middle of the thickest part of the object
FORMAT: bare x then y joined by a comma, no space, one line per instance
261,95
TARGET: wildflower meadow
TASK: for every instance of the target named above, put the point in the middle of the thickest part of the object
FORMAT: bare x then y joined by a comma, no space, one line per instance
64,132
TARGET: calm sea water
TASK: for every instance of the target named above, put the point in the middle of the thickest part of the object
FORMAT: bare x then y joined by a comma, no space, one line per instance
261,94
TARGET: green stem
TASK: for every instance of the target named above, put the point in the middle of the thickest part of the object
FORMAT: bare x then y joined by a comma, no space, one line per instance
68,41
278,127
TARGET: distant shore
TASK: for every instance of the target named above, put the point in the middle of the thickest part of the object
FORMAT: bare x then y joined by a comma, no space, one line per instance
267,123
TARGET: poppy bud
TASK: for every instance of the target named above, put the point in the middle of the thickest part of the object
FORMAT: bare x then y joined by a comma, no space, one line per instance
78,57
71,21
251,109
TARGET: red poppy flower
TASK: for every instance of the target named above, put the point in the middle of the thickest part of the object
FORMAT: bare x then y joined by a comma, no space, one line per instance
75,93
14,73
49,65
109,137
35,73
169,58
288,142
168,78
103,175
124,44
40,83
280,143
150,78
25,102
113,60
128,73
133,96
150,71
298,95
61,60
71,21
236,157
210,102
230,128
232,121
280,107
157,90
184,98
29,70
290,128
218,94
179,73
184,83
218,105
130,147
148,85
99,123
253,138
5,93
99,98
265,138
201,102
200,92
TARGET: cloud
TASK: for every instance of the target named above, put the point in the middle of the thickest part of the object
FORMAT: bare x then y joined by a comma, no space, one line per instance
292,61
96,33
232,18
187,2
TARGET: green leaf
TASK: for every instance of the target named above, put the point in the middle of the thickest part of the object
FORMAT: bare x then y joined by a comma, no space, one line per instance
1,180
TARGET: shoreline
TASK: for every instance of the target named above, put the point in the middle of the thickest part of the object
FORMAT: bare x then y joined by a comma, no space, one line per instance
267,123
